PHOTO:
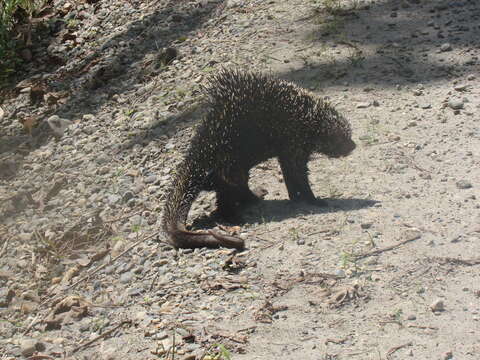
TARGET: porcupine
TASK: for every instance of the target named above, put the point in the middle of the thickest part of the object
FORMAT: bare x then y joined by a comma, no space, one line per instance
251,117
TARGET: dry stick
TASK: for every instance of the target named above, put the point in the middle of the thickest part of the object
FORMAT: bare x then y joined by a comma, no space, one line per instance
423,327
455,261
173,346
387,248
34,321
5,245
396,348
100,336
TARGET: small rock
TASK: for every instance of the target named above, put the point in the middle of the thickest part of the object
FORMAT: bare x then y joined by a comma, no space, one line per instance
113,199
412,317
126,277
6,296
88,117
455,104
135,291
448,355
118,248
103,170
464,184
150,179
340,273
29,346
127,196
461,87
437,306
58,125
446,47
456,239
366,225
363,105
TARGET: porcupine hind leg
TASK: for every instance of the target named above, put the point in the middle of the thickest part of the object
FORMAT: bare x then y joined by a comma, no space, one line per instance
295,174
234,194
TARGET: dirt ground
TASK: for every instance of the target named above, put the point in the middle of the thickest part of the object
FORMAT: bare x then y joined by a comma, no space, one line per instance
390,270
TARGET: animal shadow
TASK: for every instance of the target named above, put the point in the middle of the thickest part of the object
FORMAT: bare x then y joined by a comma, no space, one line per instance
278,210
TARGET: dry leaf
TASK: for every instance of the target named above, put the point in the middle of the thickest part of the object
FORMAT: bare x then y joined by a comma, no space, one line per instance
70,273
29,123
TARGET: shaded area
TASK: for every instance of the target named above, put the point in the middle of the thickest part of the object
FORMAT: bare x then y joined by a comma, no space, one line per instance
278,210
400,52
118,66
400,49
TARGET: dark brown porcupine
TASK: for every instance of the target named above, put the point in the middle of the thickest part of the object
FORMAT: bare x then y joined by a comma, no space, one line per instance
250,118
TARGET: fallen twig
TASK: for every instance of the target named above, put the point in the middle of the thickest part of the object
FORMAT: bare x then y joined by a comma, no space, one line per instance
108,332
396,348
387,248
456,261
336,341
5,245
422,327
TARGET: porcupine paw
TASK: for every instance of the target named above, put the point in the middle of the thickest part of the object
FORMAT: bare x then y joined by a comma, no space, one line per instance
260,192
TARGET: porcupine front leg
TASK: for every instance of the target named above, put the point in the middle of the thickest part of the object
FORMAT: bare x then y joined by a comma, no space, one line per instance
295,173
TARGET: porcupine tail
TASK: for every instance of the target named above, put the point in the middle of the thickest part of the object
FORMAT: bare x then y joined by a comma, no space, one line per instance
184,191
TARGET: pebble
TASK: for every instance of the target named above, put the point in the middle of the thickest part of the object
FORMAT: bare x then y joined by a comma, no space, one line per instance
135,291
366,225
363,105
126,277
437,306
150,179
464,184
446,47
340,273
461,87
455,104
29,346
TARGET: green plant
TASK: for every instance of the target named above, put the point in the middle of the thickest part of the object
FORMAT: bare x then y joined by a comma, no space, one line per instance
218,352
356,58
332,6
397,314
13,13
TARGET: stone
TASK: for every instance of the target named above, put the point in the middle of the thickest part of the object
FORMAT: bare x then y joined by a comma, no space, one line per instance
446,47
437,306
29,346
363,105
455,104
464,184
126,277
